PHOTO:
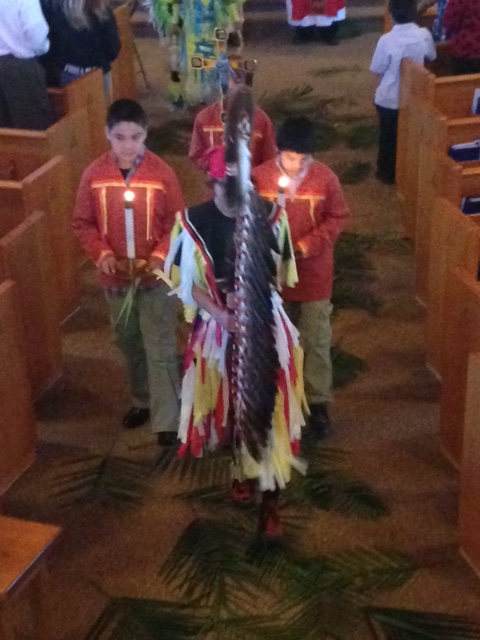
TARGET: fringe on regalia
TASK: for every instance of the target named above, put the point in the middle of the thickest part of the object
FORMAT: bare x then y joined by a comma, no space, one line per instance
206,393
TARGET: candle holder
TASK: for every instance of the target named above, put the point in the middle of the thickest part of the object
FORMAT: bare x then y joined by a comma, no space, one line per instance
131,268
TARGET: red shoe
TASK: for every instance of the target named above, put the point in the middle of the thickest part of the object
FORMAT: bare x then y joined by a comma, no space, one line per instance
243,491
269,526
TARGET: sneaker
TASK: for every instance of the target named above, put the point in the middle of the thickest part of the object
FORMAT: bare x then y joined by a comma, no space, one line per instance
135,417
167,438
320,424
243,491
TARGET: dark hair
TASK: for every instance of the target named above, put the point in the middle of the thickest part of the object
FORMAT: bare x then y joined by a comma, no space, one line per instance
126,111
402,11
297,135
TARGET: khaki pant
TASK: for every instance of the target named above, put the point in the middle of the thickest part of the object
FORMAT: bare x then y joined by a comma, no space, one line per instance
312,319
148,342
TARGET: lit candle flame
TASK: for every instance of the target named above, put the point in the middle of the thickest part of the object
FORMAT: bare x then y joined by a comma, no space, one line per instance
283,182
129,196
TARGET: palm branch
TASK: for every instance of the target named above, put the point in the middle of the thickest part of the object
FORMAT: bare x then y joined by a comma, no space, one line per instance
336,491
106,479
140,619
401,624
303,101
346,366
208,565
212,470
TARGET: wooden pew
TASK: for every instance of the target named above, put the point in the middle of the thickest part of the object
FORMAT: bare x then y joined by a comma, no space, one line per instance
48,189
124,83
451,96
461,337
455,242
68,137
469,507
26,258
438,176
17,435
436,132
87,93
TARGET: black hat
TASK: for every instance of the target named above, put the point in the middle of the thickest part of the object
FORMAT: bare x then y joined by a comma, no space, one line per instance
297,135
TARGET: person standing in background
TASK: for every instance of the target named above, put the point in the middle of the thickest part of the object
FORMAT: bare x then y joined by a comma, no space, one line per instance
405,40
316,17
207,136
84,36
462,24
23,88
438,32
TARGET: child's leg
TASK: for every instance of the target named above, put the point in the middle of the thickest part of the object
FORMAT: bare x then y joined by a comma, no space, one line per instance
158,319
387,145
128,338
269,525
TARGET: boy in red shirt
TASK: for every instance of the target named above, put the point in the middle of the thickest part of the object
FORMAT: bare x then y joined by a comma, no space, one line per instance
317,213
208,127
146,335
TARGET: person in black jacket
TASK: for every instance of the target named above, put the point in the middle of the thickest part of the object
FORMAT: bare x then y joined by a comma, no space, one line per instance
83,36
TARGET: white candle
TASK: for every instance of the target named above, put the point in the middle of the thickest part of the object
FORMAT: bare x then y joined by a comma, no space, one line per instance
283,183
128,198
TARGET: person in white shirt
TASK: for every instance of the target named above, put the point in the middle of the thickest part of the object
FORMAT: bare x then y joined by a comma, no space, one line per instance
23,88
405,40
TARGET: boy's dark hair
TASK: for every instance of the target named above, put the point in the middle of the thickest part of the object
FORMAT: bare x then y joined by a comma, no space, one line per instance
126,111
403,11
297,135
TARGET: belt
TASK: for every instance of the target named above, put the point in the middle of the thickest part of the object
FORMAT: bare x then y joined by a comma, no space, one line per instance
78,71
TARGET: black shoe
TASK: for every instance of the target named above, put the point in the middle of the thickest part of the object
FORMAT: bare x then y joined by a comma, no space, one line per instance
135,417
303,35
167,438
319,422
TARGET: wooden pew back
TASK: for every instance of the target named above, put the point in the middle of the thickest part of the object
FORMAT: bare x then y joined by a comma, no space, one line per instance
469,507
454,242
17,435
462,337
26,258
124,83
87,93
452,97
438,176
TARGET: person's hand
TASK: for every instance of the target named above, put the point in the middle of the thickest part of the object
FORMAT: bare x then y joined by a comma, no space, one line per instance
226,320
232,300
108,265
155,262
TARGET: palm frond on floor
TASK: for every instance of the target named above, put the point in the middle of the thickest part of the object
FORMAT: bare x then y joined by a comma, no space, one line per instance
336,491
211,470
353,273
354,172
399,624
107,479
139,619
328,614
362,136
303,101
208,565
346,366
170,138
330,71
348,29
